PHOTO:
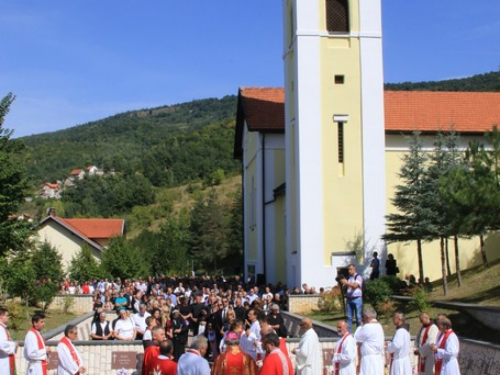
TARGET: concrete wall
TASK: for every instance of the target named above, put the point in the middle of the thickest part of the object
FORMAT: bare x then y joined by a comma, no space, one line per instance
476,358
303,303
82,303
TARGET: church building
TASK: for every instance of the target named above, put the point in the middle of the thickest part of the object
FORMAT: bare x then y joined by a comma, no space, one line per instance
321,155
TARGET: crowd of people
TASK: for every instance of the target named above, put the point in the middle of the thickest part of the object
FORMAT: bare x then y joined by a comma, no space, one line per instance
235,326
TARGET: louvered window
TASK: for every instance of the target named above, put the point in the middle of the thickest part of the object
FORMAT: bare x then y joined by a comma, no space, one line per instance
340,135
337,16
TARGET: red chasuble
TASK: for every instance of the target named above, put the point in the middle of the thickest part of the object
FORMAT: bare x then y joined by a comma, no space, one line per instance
150,354
234,362
12,357
162,365
276,364
41,346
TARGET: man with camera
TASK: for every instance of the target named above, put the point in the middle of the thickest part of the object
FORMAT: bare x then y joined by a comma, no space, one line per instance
354,295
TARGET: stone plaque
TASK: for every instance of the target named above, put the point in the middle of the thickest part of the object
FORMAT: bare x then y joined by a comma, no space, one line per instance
53,360
327,356
123,360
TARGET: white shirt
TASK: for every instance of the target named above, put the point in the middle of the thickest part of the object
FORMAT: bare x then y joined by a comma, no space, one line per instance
140,321
125,328
191,363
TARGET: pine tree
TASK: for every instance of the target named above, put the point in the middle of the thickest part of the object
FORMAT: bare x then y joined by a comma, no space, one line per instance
414,219
84,266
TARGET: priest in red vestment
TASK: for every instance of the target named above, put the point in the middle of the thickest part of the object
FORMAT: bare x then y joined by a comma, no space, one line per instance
275,363
234,361
152,351
164,364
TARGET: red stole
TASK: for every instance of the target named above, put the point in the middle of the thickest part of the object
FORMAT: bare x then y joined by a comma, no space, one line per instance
72,351
439,362
421,360
12,357
339,350
41,346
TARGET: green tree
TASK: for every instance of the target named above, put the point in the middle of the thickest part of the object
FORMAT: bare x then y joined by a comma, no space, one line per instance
413,221
208,230
47,263
14,234
170,256
84,266
18,275
122,259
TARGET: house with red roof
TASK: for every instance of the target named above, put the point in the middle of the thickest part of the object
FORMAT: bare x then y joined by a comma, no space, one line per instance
77,174
50,190
69,235
260,145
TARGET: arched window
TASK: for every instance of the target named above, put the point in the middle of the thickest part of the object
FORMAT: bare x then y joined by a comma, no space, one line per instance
337,16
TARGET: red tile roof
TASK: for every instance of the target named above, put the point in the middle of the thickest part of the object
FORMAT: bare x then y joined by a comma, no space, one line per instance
76,172
96,228
404,110
263,107
433,111
52,186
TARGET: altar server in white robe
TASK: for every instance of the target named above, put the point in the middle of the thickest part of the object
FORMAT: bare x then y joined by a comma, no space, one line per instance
446,349
372,341
193,362
8,347
344,357
399,347
425,339
308,353
70,361
35,351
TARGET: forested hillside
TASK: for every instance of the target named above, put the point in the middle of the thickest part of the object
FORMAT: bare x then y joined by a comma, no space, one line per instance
169,145
480,82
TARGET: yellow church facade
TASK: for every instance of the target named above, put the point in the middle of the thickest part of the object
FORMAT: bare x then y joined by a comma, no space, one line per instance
321,156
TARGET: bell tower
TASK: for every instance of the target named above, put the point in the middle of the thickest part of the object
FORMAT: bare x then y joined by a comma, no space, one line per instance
334,135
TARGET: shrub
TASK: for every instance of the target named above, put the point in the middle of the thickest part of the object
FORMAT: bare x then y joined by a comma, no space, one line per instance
69,302
17,314
377,292
331,301
420,300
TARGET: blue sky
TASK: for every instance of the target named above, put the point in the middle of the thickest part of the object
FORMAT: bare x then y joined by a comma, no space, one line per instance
73,61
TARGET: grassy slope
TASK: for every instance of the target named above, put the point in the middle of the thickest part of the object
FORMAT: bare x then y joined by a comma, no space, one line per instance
183,200
479,286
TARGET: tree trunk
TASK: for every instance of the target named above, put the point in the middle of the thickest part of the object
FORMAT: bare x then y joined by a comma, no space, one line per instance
420,260
457,262
448,267
483,251
443,268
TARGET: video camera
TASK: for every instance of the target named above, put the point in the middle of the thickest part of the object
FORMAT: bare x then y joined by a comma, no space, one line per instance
342,273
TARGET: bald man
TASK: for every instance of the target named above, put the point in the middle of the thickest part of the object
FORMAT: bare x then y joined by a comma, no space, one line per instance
308,353
344,357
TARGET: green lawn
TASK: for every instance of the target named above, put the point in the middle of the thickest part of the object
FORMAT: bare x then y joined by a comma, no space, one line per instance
53,319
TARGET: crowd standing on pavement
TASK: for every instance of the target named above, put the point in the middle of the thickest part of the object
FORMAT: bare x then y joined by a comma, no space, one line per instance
234,325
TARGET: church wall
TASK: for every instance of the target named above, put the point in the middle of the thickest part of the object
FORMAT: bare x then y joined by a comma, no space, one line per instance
250,181
406,253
